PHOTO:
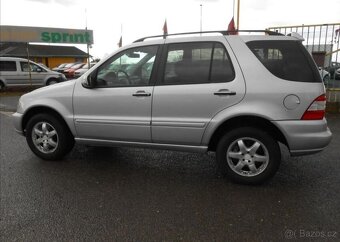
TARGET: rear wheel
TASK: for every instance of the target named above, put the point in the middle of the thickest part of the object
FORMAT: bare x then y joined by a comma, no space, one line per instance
248,155
51,81
48,137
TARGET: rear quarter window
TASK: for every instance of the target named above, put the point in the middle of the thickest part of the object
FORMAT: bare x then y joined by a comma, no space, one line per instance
8,66
287,60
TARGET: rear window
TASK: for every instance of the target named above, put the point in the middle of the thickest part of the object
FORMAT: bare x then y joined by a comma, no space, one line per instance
8,66
288,60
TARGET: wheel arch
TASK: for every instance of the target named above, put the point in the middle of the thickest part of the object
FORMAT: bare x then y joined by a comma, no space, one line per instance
42,109
51,78
249,121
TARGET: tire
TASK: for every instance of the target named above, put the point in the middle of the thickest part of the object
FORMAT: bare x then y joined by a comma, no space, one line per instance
2,86
48,137
51,81
248,155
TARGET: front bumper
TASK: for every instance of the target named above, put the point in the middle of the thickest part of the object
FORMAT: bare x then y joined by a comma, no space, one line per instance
305,136
17,120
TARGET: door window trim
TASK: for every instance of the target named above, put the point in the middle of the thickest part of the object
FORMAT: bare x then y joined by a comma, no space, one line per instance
163,62
119,54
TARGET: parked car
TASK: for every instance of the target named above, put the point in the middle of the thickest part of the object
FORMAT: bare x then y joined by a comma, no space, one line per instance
325,75
67,66
337,74
332,68
239,96
82,70
16,72
69,73
59,67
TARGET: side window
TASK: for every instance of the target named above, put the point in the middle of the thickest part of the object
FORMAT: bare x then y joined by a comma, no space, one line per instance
34,67
24,66
221,68
194,63
287,60
8,66
131,67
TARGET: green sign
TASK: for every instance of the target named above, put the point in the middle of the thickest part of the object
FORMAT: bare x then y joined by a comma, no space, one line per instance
45,35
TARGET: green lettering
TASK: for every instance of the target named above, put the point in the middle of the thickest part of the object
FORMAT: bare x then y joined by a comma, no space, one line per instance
45,36
65,35
79,38
56,37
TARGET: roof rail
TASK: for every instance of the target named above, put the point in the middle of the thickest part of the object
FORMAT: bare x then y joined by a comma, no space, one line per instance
222,32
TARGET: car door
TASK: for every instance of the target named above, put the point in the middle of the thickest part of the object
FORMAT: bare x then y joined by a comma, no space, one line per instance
118,107
37,74
197,80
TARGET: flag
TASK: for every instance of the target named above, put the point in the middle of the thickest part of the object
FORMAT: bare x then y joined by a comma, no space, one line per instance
120,43
231,27
165,28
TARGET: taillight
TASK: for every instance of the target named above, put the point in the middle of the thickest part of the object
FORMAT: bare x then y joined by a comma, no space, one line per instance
316,110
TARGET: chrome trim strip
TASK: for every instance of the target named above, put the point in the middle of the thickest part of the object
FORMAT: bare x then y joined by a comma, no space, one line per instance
178,124
119,122
117,143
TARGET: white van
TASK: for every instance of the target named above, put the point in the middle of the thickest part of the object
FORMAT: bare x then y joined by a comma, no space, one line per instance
15,72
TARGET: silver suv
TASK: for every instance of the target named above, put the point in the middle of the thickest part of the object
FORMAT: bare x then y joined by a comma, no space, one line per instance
236,95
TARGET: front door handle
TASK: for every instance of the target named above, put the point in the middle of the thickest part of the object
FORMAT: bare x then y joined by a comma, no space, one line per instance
141,94
225,92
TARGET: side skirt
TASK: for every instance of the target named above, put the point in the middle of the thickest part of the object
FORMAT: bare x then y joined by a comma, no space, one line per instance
115,143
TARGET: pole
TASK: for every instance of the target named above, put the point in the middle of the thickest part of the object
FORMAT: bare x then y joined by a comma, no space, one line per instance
29,64
238,15
87,44
201,19
88,56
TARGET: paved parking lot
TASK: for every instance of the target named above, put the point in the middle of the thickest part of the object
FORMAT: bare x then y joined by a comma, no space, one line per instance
121,194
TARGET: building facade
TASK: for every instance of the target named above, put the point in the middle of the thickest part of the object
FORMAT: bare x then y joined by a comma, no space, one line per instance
49,55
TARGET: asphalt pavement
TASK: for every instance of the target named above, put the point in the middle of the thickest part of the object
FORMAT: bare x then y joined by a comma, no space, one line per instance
124,194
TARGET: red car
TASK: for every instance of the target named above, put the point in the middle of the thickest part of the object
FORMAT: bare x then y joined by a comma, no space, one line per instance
69,73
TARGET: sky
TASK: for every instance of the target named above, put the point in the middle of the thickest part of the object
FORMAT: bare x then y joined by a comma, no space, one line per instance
135,19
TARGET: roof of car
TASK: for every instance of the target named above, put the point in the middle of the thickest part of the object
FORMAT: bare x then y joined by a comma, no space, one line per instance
8,58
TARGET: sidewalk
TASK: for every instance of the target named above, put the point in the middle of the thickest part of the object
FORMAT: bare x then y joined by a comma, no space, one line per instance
9,103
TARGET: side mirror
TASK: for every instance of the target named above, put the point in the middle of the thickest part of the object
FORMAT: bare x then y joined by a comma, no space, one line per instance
89,82
38,70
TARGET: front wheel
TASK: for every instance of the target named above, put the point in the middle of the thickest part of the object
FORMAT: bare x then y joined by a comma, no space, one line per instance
2,86
48,137
248,155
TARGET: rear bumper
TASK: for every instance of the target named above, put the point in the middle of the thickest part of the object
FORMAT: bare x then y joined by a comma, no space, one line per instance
17,120
305,136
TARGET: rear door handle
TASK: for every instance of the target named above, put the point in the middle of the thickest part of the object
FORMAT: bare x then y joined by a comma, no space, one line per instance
225,92
141,94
